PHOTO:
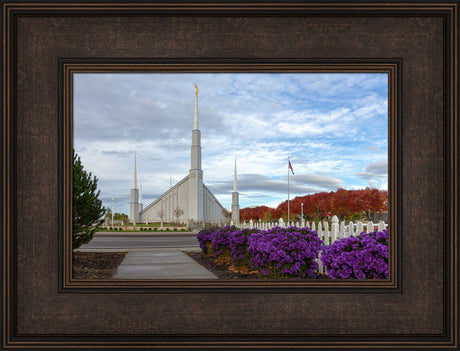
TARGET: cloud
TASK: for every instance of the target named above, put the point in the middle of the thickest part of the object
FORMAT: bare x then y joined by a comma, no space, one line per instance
264,185
317,180
376,174
333,126
375,170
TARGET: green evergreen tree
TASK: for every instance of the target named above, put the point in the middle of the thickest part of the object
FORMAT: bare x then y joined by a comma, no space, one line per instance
87,209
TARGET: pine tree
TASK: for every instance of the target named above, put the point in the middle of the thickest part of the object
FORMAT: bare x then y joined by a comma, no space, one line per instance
87,209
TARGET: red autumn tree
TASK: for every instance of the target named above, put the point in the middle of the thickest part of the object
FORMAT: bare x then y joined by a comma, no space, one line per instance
343,203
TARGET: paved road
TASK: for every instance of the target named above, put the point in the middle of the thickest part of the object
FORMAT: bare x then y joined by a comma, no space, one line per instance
142,241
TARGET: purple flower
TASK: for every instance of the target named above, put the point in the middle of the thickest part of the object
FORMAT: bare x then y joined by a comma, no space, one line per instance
218,238
364,256
285,252
238,244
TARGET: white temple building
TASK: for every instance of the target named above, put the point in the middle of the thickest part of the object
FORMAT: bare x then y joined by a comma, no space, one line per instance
189,195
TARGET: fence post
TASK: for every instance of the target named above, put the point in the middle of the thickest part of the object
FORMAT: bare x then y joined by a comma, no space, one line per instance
370,227
320,232
381,226
342,230
351,229
326,233
334,228
359,228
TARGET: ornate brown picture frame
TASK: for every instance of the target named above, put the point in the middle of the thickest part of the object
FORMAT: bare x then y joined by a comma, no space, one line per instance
44,43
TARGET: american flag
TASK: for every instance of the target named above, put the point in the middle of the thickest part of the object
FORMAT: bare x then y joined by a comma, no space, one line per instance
290,167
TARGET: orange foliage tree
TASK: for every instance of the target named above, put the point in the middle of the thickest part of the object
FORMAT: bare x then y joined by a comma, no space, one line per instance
346,204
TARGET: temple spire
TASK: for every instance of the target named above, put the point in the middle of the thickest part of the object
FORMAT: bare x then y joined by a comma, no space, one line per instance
195,121
196,189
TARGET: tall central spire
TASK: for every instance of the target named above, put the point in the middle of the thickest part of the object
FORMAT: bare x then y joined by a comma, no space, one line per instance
196,138
195,121
196,204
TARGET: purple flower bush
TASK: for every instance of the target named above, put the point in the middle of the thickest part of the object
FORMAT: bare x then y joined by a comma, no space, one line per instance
218,238
364,256
238,242
285,252
204,239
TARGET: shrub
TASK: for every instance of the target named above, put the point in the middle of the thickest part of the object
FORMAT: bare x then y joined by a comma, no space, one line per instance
364,256
238,243
204,239
215,241
285,252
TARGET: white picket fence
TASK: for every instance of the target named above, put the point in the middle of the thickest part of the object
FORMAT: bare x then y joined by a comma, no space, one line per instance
337,230
328,235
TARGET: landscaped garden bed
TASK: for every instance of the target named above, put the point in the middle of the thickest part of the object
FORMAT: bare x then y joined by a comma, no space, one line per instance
291,253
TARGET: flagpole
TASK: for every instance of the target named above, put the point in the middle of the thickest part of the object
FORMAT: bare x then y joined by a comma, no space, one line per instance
288,190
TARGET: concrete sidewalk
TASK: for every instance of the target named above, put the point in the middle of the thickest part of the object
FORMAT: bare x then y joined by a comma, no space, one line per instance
160,264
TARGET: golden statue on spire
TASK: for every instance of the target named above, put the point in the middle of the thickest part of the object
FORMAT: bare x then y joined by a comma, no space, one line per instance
196,91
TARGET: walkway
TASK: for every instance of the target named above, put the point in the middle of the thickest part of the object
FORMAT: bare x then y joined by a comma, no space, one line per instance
164,263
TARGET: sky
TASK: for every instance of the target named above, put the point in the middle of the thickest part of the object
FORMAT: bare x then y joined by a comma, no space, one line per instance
332,126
